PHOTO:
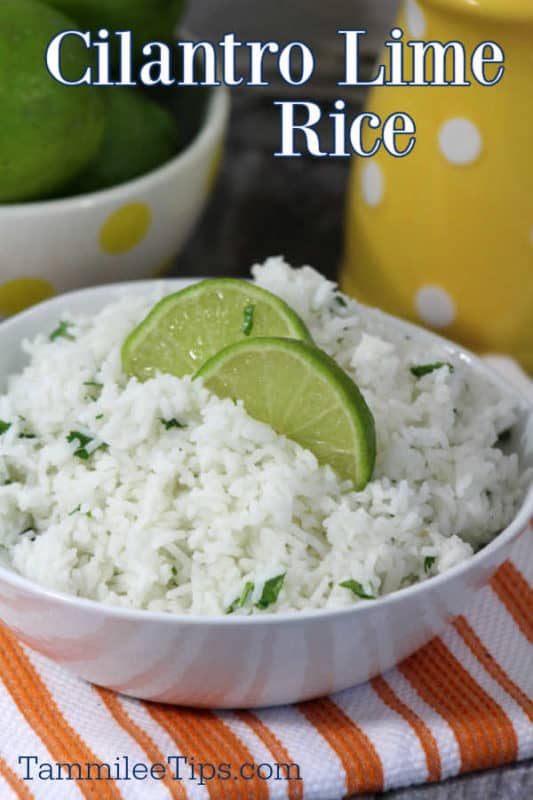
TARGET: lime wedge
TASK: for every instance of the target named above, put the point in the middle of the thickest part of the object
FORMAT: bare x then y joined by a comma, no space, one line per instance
303,394
187,328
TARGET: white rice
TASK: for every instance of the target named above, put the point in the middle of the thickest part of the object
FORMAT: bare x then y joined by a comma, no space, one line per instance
180,520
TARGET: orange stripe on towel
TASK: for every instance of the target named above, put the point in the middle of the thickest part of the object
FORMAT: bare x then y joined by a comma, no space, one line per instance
279,752
362,765
484,733
472,640
517,596
425,737
42,713
14,782
145,742
203,736
188,744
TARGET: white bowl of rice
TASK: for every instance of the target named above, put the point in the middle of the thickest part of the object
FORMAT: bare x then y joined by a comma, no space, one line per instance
122,566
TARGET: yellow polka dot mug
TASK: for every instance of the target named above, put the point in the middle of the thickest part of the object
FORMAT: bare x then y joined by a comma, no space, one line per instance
444,236
131,231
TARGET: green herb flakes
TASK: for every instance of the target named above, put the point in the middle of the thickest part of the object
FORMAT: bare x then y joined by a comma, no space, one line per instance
172,423
426,369
271,591
4,426
75,510
248,319
339,299
62,332
97,387
83,440
428,563
504,437
357,589
241,601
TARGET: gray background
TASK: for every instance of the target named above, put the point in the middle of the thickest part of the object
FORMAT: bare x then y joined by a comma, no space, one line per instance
312,21
264,206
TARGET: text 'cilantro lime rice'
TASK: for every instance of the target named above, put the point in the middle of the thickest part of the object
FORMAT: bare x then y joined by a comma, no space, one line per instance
160,495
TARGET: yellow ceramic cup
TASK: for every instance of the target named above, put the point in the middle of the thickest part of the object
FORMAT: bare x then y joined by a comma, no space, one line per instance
444,236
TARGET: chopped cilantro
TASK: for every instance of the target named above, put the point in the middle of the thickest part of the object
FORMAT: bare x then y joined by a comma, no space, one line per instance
172,423
62,332
100,416
271,591
27,436
339,299
97,388
83,440
427,369
4,426
82,453
75,510
357,589
505,436
248,319
240,602
428,563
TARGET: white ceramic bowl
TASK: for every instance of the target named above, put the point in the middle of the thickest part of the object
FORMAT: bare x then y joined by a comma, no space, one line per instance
130,231
236,661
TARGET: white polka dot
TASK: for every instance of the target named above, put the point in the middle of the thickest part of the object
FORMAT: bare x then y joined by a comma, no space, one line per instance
435,306
460,141
416,22
372,184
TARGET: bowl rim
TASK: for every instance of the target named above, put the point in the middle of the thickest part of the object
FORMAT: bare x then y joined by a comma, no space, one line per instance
518,526
208,135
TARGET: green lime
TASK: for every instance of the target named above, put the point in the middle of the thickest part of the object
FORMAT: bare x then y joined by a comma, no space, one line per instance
149,20
49,132
303,394
140,135
187,328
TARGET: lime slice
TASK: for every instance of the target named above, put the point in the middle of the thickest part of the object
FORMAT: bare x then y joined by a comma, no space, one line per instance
187,328
303,394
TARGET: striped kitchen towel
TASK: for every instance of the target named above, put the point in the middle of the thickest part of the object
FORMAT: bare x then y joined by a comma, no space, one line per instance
463,702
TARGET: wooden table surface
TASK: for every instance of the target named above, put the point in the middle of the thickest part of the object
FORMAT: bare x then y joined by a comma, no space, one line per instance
265,206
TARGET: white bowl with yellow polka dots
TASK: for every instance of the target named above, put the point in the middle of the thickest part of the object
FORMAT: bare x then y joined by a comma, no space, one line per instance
130,231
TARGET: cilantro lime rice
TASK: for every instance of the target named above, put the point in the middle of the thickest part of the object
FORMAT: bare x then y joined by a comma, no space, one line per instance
160,496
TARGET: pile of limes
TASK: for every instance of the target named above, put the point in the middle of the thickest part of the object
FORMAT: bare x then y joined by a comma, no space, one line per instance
60,140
